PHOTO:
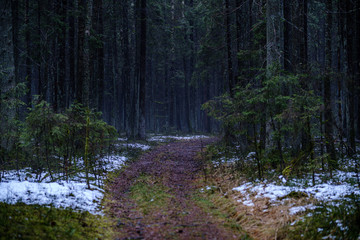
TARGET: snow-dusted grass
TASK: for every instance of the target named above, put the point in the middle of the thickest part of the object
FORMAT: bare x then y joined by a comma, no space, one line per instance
30,188
70,194
155,138
166,138
25,186
329,191
287,205
143,147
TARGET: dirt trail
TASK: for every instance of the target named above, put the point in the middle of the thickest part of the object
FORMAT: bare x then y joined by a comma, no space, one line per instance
175,167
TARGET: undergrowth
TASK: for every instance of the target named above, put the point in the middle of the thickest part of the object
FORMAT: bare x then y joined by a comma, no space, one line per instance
149,195
338,220
222,208
329,222
21,221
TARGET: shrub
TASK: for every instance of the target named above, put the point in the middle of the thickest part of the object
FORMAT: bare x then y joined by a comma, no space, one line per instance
61,141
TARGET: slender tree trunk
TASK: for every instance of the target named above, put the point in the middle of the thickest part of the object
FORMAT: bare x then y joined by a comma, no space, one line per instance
15,37
228,47
72,58
28,54
287,36
327,86
126,70
114,110
83,80
357,64
142,103
100,56
39,53
61,78
350,31
239,6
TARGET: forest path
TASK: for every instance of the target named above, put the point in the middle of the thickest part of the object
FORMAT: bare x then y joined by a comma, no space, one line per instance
155,197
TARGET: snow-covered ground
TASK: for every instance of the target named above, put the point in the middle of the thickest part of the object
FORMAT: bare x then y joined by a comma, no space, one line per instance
155,138
143,147
329,191
165,138
25,186
64,194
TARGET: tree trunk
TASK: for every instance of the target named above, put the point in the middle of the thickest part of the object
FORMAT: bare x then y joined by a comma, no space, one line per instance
357,64
15,37
83,80
126,70
287,36
61,78
273,35
100,56
350,31
229,50
327,85
28,54
142,69
71,90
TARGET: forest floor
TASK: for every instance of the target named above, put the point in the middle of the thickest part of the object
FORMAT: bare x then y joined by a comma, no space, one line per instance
175,187
158,197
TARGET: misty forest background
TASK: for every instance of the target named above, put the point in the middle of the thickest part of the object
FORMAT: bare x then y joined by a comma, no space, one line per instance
280,78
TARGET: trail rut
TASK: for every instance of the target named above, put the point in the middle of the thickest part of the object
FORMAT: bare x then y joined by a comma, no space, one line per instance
176,166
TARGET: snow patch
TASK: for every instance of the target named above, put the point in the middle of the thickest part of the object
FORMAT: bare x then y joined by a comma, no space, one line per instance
25,186
143,147
70,194
165,138
332,190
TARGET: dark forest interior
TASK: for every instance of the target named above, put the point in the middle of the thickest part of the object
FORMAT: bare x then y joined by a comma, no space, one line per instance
82,81
271,74
150,65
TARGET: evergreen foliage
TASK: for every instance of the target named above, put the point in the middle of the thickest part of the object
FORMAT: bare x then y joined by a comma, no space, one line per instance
279,102
59,142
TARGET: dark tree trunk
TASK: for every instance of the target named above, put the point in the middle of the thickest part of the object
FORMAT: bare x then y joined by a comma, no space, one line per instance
142,69
228,47
100,56
28,54
126,67
287,36
15,37
83,79
61,78
357,64
350,32
304,34
327,85
72,49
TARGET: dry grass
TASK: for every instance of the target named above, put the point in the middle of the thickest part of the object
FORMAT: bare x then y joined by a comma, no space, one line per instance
264,220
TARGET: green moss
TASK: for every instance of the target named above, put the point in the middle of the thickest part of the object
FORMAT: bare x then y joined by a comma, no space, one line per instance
149,195
21,221
328,222
221,208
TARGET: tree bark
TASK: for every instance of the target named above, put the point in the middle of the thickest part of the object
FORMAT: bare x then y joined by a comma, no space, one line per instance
327,85
229,50
287,36
15,37
61,78
28,54
350,31
100,56
142,69
83,80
